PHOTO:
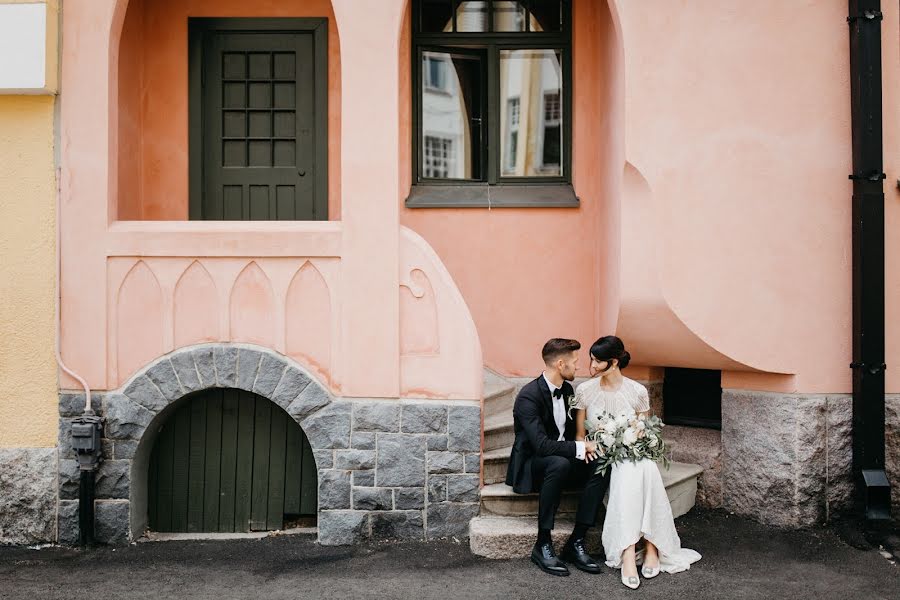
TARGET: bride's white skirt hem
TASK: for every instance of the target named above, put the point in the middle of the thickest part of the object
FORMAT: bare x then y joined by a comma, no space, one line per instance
675,562
639,508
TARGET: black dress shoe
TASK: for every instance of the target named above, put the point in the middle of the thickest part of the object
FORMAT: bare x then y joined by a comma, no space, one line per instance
574,553
544,557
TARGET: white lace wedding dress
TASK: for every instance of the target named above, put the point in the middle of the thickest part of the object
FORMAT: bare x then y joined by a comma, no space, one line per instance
638,505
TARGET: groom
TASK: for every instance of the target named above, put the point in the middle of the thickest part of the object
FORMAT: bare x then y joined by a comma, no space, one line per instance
546,459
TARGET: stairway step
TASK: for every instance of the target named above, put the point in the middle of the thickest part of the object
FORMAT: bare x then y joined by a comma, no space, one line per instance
495,463
513,537
499,394
500,500
507,526
499,431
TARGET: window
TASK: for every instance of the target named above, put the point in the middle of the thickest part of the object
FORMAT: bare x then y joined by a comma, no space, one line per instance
512,136
439,157
693,397
491,82
435,73
552,132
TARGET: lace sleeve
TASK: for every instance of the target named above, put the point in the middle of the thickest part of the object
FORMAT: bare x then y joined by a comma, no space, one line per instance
642,401
579,403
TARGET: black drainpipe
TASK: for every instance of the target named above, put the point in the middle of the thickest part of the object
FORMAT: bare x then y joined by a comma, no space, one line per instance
868,258
86,433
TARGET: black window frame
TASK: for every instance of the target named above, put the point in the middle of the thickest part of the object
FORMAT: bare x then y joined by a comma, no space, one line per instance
493,189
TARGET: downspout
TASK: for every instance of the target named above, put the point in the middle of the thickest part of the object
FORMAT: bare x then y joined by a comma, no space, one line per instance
86,428
868,259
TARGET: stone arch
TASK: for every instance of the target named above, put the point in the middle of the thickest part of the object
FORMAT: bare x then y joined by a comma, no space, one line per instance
135,413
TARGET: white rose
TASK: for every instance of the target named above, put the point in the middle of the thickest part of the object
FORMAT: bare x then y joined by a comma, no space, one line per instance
622,420
608,439
610,427
641,426
629,437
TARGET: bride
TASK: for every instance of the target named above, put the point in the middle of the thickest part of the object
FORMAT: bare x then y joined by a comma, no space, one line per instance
638,506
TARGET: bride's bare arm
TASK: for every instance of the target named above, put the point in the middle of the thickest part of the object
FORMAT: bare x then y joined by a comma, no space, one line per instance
579,424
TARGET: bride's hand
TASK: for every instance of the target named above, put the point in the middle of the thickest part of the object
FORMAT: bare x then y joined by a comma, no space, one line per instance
590,451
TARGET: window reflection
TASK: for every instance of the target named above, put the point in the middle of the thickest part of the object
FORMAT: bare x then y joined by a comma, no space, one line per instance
531,113
546,15
451,115
509,16
437,16
472,16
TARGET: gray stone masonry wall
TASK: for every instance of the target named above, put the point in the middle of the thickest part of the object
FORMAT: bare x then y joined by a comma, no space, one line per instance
388,469
27,495
699,446
892,448
786,457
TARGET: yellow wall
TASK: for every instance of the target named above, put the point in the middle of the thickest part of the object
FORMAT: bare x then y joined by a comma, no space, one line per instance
28,377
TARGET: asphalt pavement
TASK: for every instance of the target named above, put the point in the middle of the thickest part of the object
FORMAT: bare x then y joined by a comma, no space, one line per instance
741,560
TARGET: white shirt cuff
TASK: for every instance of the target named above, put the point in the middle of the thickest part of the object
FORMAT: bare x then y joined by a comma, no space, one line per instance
579,450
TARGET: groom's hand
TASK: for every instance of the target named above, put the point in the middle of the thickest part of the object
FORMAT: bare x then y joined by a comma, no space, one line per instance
590,451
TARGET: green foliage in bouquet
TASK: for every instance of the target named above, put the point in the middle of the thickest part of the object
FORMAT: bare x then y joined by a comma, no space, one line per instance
626,437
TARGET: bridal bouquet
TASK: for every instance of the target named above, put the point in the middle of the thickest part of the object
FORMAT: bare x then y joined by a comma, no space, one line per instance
626,436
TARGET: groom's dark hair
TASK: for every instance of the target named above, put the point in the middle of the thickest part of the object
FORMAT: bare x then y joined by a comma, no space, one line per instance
557,347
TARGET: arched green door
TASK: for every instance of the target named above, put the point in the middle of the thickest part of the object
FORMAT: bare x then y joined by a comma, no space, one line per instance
229,460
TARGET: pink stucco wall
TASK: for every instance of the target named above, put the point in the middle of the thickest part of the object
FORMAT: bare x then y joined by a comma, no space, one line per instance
347,298
890,67
739,132
153,100
532,274
711,150
715,202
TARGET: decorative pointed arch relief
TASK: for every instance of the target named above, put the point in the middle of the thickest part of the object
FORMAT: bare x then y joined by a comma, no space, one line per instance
253,308
139,319
196,307
418,316
308,320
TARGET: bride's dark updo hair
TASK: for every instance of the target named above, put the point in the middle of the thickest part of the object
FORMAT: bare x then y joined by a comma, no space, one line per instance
610,347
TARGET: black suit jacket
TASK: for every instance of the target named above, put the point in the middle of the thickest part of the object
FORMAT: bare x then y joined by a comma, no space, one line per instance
536,432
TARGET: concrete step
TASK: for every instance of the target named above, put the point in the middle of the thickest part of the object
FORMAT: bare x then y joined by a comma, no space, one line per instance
499,499
499,395
498,431
513,537
507,526
495,463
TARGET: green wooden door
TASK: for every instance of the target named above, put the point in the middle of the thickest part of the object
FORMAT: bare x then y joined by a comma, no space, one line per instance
261,145
228,460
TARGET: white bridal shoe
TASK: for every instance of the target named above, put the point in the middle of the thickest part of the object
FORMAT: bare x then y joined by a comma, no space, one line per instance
649,572
631,582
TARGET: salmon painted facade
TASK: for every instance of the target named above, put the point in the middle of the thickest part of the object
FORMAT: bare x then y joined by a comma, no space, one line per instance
309,250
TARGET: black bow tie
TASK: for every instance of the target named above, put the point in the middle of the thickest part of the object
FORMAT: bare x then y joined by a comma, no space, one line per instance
557,393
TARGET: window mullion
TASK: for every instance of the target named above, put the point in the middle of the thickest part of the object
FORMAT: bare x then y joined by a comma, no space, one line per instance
417,83
492,149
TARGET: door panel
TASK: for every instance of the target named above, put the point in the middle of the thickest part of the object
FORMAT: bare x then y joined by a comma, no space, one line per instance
261,122
229,460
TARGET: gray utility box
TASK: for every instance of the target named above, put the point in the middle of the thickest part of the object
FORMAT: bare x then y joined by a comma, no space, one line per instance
86,441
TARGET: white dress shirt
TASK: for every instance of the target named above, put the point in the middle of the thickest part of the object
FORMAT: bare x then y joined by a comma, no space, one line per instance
559,415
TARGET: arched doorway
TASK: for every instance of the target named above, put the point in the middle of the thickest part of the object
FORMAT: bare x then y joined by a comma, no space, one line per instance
228,460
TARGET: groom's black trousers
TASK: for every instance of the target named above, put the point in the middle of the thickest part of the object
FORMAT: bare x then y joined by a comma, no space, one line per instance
553,474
